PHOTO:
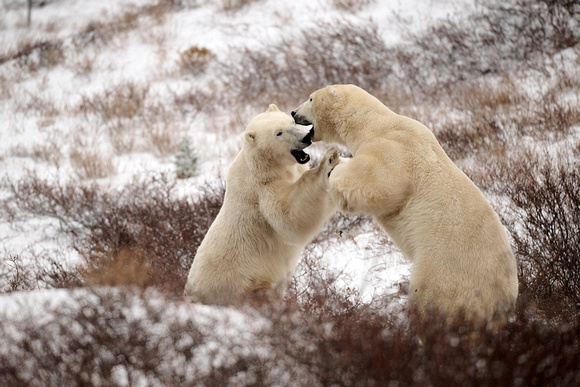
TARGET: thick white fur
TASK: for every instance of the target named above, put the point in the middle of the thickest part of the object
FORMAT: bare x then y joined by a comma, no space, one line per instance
462,263
272,208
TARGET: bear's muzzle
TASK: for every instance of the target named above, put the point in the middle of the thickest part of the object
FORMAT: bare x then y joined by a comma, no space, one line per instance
300,120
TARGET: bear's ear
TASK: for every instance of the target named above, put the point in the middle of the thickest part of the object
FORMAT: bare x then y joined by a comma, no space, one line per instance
272,108
332,93
250,136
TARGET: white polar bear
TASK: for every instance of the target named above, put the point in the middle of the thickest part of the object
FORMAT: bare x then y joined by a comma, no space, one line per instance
273,207
462,263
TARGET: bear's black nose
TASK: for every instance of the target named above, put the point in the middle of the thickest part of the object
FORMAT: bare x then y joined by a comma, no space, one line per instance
293,113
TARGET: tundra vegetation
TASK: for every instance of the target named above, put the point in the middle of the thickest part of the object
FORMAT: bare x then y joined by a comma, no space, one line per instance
499,87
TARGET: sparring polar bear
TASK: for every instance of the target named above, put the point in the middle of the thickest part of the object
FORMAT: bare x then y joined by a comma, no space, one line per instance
462,263
273,206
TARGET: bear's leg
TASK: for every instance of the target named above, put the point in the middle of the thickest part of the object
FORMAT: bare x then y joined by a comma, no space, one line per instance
365,185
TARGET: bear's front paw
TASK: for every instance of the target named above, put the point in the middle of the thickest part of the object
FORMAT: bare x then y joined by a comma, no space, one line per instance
330,160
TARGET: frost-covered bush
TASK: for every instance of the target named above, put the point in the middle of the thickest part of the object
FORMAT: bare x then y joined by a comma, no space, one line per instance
122,336
125,337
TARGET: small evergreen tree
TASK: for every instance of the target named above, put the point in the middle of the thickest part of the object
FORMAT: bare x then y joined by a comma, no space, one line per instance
185,160
29,13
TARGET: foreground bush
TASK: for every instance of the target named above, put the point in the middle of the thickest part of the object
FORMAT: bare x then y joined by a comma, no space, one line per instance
126,337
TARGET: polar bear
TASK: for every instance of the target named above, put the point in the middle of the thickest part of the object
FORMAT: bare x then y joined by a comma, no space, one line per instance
462,262
273,206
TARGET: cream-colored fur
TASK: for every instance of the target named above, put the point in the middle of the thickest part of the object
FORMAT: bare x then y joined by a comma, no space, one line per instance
272,208
462,263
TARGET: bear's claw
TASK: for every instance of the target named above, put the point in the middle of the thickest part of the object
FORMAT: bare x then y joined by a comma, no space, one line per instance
333,158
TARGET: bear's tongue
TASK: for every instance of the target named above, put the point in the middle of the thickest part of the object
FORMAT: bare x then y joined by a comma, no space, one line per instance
300,156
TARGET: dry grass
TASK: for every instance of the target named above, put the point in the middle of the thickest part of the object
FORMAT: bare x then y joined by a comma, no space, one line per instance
102,33
91,163
487,118
5,88
87,156
557,110
49,153
195,60
38,272
125,268
194,100
26,102
83,64
351,5
233,5
33,55
123,135
125,100
502,37
135,119
163,138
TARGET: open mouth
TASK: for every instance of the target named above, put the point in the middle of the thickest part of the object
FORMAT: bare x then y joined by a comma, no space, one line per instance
300,120
300,156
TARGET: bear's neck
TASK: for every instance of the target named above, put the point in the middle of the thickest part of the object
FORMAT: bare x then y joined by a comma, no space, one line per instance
265,169
363,130
360,123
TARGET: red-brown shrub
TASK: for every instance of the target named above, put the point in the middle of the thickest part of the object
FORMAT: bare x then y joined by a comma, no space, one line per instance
144,227
545,227
287,71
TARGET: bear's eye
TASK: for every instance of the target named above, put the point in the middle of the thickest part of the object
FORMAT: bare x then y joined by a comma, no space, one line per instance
279,134
310,99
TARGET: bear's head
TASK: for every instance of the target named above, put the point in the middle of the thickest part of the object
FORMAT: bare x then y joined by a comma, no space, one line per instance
272,138
328,110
